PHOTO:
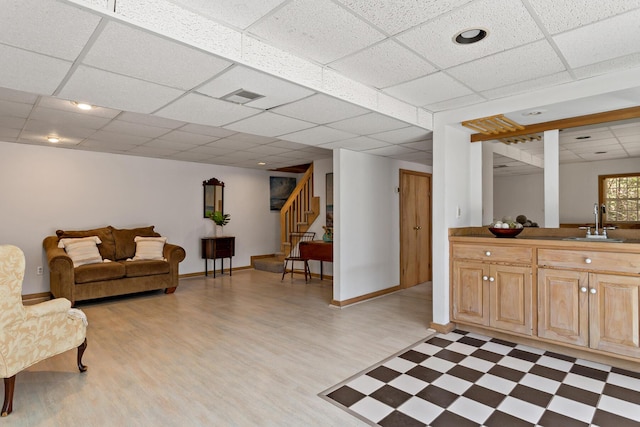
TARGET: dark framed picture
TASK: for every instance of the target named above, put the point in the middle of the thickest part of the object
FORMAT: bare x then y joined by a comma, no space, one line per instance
329,197
280,187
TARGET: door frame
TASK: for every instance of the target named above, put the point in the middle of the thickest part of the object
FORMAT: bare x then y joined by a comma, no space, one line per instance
401,202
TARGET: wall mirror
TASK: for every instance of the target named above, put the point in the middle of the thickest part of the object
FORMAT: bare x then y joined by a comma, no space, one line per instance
213,196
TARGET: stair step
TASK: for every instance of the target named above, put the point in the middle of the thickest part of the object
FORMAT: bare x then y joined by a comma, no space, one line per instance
272,264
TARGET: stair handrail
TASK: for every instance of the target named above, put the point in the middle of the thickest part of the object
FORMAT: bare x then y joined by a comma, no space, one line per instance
298,205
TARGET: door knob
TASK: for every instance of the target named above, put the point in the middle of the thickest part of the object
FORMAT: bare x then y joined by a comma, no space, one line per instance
583,289
485,278
491,279
592,290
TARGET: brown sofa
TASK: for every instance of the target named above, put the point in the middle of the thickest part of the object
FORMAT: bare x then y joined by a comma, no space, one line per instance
119,277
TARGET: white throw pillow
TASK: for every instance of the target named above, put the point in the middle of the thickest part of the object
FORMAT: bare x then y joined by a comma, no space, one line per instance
82,250
149,247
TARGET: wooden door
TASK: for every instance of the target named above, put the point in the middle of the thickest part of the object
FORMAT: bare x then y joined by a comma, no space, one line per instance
614,306
563,311
511,298
415,228
470,292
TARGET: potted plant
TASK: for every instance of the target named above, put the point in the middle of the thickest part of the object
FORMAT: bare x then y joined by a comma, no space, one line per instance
219,219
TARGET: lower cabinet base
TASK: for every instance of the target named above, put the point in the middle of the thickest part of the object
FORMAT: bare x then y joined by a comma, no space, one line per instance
619,361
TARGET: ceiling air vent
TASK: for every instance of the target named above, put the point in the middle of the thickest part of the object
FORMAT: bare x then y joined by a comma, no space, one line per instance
242,96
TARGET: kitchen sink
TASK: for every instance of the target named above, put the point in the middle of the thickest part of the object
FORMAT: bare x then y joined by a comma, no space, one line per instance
594,239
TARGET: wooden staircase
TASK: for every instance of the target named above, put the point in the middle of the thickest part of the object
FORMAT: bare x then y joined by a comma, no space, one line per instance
299,211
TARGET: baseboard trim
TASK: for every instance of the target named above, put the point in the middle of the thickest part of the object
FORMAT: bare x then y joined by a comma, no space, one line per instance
365,297
442,329
201,273
255,257
32,299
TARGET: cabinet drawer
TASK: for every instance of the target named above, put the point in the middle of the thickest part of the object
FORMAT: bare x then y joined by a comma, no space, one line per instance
615,262
497,253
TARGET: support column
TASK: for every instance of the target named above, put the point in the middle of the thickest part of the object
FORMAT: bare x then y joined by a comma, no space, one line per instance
487,182
552,178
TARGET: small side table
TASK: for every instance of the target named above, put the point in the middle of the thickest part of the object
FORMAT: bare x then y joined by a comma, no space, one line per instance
218,247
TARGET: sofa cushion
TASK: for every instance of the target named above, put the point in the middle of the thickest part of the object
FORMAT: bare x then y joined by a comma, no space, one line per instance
149,248
82,250
96,272
145,268
125,246
107,248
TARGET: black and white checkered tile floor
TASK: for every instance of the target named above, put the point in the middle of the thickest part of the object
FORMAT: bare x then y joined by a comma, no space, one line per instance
464,379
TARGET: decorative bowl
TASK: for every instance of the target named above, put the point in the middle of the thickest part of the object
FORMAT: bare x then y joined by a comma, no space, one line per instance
505,232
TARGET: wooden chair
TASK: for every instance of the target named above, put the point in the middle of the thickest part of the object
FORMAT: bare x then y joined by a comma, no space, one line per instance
33,333
294,255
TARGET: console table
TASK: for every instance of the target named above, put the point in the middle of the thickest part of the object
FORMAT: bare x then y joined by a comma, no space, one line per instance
218,247
318,250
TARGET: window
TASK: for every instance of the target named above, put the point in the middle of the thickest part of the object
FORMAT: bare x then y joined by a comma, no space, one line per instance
621,196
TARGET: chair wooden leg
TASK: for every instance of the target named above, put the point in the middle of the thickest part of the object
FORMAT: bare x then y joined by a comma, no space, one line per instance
306,270
9,386
81,348
284,271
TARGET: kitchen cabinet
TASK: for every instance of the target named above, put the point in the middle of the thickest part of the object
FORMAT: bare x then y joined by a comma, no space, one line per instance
492,286
590,299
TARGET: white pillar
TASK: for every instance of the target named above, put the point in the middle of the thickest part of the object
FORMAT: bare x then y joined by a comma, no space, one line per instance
552,178
476,190
487,182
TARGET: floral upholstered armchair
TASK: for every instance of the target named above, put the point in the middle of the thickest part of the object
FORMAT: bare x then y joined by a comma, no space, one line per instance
33,333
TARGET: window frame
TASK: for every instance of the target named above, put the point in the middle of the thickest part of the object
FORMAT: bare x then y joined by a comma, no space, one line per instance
601,192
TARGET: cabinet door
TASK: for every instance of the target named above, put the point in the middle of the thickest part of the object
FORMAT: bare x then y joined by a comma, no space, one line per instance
511,295
563,313
470,292
614,310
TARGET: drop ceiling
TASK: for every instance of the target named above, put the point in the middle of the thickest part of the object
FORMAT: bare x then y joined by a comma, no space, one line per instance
365,75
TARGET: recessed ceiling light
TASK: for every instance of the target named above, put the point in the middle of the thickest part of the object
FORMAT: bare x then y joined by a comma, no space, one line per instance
533,113
470,35
583,137
82,105
261,163
53,139
600,152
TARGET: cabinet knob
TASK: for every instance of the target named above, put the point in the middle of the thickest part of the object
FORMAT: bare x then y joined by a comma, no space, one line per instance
488,253
485,278
587,260
491,279
583,289
592,290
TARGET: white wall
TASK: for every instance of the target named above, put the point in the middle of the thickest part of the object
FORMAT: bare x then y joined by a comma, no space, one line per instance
366,223
44,188
320,170
519,195
578,190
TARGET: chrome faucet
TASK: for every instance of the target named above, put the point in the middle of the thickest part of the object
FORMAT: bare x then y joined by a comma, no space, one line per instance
596,212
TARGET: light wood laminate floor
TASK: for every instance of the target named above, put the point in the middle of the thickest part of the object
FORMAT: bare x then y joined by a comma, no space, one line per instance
246,350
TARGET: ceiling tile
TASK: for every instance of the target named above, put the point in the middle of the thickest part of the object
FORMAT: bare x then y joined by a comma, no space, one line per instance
64,130
204,110
368,123
317,135
269,150
320,109
395,16
14,109
136,53
110,146
102,88
8,134
211,150
289,145
356,144
429,89
509,67
237,13
70,107
384,64
269,124
453,103
171,145
190,156
424,145
152,151
124,138
529,85
207,130
601,41
562,16
232,144
146,119
187,137
319,30
67,27
17,96
608,66
391,150
31,72
275,91
68,118
135,129
11,122
404,135
73,137
434,40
